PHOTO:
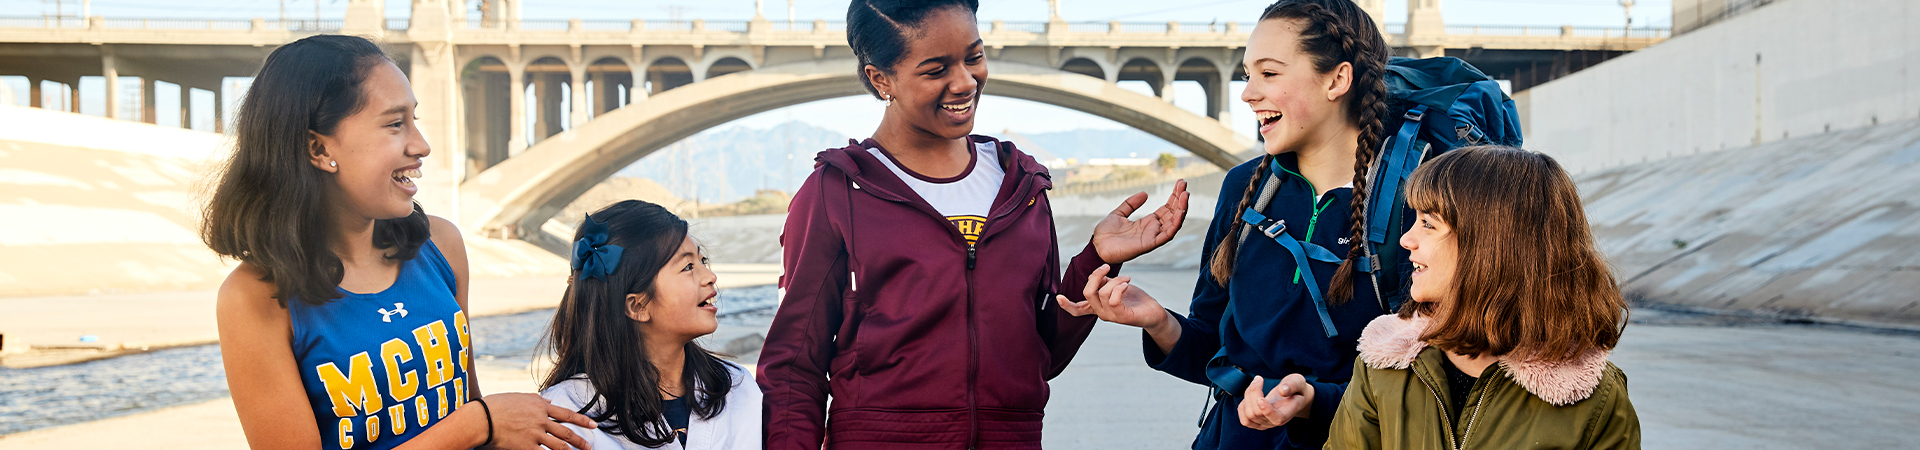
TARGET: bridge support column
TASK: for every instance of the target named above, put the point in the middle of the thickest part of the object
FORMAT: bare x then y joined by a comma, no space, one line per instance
578,91
516,108
1219,95
1426,32
111,80
149,90
546,99
34,96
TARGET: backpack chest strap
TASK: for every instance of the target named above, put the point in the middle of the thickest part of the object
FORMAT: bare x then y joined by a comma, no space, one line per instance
1302,252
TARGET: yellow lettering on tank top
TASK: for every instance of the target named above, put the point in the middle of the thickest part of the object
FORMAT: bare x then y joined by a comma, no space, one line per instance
346,433
460,329
398,415
459,393
401,384
443,402
420,409
373,428
354,394
432,338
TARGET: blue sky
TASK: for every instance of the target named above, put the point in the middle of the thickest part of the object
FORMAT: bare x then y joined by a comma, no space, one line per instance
856,116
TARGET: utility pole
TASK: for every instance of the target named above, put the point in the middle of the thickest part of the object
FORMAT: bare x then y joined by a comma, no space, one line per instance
1627,6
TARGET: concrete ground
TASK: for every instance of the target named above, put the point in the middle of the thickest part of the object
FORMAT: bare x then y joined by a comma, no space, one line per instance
1697,381
123,323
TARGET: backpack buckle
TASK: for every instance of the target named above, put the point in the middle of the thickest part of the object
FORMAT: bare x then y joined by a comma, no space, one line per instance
1272,228
1415,114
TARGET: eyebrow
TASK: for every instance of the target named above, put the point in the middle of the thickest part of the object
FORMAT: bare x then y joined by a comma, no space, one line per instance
396,109
1271,60
976,43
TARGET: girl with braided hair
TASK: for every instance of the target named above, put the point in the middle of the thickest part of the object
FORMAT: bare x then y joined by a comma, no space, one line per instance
1276,311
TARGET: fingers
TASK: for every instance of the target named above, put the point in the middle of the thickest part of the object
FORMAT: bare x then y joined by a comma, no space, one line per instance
553,443
1076,309
1094,280
1253,389
1132,204
566,434
1120,286
570,416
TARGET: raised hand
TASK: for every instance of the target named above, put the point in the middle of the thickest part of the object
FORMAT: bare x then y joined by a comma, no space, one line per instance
1291,399
527,421
1119,239
1116,300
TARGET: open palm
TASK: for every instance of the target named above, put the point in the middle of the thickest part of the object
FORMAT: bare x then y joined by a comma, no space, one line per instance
1119,239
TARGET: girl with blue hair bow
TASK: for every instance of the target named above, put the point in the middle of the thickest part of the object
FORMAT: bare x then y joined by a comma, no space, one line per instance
622,339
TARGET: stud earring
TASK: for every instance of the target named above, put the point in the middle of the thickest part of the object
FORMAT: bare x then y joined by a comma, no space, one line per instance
333,164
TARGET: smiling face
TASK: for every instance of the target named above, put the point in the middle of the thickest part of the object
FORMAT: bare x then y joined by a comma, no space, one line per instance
1293,103
374,154
935,88
682,301
1435,256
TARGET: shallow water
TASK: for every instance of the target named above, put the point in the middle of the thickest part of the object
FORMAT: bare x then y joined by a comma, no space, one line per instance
59,395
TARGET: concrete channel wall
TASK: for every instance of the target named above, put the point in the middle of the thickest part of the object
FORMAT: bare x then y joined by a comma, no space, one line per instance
1793,68
1823,226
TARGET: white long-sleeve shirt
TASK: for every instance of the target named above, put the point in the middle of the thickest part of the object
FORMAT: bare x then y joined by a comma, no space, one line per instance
737,427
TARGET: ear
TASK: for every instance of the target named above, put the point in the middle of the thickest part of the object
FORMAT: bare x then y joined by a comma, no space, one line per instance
881,82
637,308
317,153
1340,82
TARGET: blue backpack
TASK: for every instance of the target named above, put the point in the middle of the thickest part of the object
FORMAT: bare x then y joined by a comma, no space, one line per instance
1434,105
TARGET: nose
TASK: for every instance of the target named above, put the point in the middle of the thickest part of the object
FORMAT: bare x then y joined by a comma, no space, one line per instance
1248,95
417,143
966,85
1408,242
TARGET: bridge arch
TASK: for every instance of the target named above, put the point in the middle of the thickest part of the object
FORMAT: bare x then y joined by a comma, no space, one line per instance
516,197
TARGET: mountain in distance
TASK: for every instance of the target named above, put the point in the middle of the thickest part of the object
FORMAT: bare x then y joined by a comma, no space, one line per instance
730,164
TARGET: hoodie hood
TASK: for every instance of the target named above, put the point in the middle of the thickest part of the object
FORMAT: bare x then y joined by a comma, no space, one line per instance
1391,342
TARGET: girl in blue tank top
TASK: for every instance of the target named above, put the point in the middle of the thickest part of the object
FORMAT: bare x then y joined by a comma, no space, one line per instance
344,327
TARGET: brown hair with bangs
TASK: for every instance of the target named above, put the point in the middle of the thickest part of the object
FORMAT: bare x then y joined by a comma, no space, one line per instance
1530,281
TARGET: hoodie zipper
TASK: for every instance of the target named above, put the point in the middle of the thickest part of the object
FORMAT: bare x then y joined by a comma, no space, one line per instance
1319,204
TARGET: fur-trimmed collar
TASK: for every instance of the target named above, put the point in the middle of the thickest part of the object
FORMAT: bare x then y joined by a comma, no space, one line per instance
1394,343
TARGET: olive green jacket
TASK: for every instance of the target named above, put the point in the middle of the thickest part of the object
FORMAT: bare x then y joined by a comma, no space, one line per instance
1398,400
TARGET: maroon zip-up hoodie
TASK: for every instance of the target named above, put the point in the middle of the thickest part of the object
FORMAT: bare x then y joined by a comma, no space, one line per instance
919,338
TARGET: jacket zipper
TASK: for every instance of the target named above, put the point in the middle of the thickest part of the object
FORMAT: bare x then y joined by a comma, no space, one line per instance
1319,204
1446,419
1448,426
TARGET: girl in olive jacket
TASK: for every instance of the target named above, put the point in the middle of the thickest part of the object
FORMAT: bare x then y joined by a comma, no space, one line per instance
1505,345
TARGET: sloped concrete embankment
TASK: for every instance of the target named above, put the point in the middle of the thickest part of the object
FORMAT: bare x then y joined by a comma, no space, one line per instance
1823,226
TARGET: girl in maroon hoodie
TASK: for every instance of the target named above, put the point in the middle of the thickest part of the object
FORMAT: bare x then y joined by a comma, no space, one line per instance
920,263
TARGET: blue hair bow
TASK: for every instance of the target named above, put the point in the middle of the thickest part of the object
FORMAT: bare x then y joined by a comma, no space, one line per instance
591,254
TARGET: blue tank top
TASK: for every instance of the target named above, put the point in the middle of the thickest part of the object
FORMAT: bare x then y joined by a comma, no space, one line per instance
380,368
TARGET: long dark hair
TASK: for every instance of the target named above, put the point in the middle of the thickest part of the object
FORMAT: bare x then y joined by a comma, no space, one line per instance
877,30
592,335
270,207
1331,32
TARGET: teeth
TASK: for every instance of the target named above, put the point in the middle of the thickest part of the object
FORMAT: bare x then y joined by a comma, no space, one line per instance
1267,116
411,173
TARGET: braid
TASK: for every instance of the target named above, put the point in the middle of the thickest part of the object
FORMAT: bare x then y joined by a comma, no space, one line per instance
1222,263
1371,108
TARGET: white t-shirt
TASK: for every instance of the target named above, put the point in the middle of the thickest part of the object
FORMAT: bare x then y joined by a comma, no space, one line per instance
964,199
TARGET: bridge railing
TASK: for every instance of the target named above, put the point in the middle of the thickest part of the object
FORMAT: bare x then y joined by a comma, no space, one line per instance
177,24
741,26
1561,31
